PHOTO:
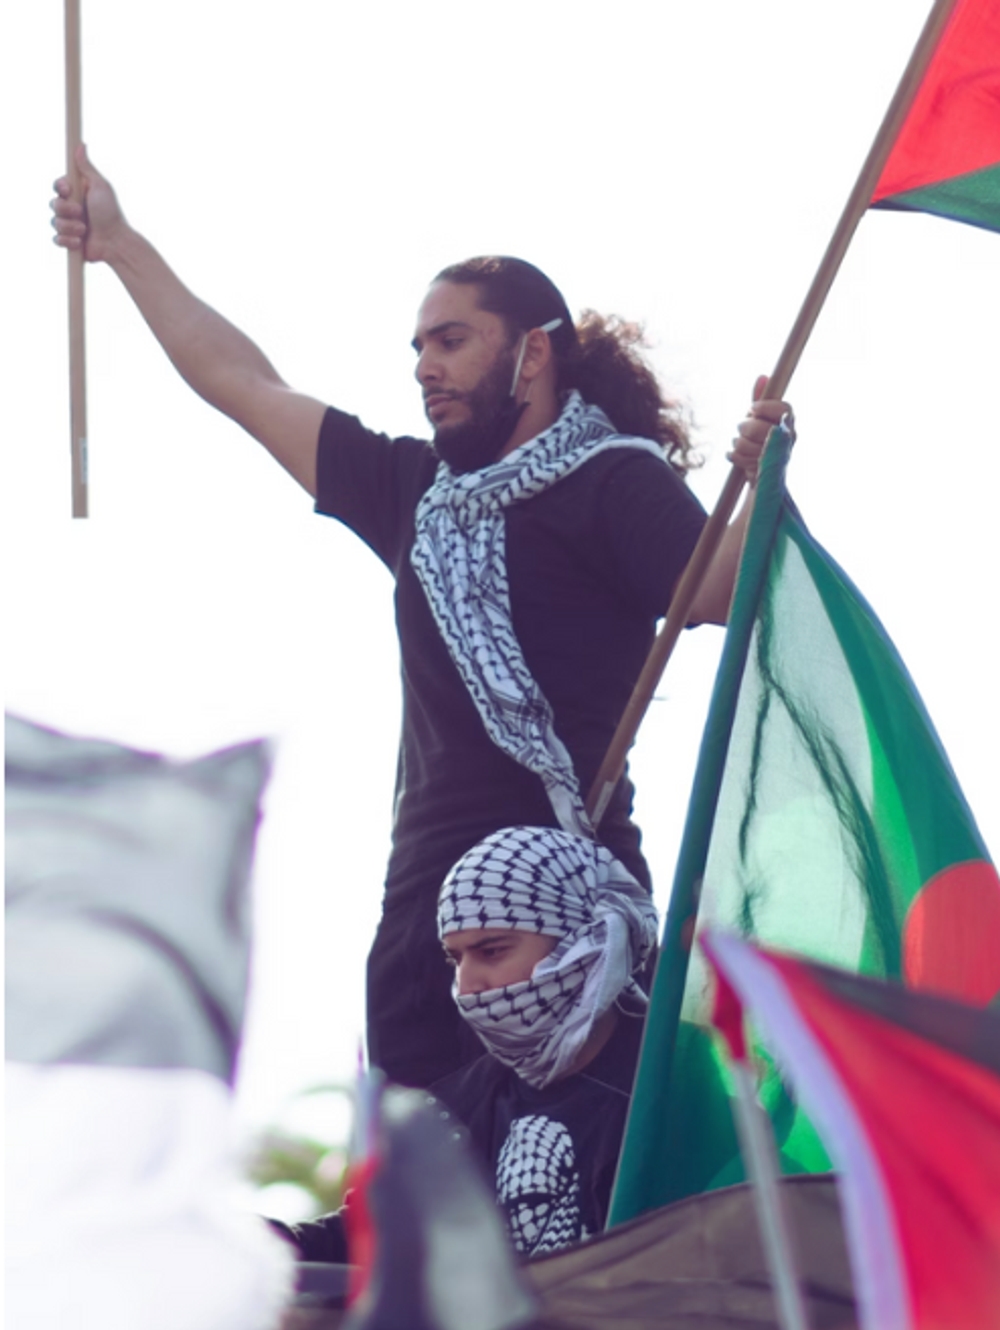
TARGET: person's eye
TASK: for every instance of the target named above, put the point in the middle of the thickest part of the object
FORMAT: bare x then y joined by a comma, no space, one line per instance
451,343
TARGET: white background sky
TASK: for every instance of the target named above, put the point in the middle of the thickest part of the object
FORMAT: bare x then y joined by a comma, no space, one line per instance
307,167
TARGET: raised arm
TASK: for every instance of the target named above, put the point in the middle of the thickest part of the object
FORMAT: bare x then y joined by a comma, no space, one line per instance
220,363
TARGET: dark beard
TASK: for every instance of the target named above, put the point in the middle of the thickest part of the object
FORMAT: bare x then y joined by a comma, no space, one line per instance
493,417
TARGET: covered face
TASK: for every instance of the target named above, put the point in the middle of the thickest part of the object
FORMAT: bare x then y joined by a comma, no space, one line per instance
487,958
598,926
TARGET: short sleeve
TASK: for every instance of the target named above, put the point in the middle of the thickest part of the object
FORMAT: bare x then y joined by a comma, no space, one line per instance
371,482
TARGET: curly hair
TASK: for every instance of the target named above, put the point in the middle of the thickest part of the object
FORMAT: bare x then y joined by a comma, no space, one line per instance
600,355
608,368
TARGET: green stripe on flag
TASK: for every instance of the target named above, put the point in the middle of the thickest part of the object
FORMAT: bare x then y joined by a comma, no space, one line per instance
972,198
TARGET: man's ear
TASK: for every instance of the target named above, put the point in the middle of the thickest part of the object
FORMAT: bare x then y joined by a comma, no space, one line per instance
538,357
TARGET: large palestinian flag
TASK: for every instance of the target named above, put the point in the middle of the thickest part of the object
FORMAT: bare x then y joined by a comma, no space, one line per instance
825,820
946,159
905,1089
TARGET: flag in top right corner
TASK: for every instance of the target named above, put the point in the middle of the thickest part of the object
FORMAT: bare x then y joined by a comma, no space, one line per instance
946,159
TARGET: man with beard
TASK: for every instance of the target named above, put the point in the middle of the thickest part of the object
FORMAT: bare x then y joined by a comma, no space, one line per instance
528,578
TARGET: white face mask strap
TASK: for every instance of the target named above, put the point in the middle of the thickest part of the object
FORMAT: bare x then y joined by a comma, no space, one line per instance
549,327
519,363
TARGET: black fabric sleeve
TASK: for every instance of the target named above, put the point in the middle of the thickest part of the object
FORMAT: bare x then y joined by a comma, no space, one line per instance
323,1239
370,482
649,523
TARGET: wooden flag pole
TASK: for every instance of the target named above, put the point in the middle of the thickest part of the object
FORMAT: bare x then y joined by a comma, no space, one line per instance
77,345
708,543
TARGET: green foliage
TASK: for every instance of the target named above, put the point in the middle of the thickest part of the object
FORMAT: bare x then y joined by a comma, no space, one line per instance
314,1160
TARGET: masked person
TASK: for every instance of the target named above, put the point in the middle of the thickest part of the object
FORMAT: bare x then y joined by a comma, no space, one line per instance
534,543
546,932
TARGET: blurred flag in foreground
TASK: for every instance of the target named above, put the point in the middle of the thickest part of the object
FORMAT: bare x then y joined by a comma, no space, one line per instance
128,944
824,819
439,1254
905,1089
364,1163
946,159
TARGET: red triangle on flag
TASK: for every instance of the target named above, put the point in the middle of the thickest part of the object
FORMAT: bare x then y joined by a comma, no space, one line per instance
953,127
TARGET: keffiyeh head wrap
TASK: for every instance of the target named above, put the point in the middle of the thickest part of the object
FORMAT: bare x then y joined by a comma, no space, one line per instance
541,880
459,556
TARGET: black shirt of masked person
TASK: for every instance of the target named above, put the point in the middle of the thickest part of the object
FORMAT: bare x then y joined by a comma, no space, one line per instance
534,545
545,931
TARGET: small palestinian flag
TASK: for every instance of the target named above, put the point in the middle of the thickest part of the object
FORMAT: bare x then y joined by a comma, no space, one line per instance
946,159
904,1088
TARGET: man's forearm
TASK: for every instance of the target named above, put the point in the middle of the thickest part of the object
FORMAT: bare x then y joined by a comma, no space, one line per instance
219,362
714,598
711,604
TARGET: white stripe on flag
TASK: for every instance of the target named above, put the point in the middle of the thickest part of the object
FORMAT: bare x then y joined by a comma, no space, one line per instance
881,1285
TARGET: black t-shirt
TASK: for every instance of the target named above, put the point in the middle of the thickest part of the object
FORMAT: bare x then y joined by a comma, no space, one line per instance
591,563
552,1152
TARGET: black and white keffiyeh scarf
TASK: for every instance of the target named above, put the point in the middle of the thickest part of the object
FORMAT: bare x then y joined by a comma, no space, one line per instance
459,555
541,880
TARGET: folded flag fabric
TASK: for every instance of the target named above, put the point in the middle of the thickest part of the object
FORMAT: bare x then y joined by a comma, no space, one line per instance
127,951
946,158
904,1088
825,819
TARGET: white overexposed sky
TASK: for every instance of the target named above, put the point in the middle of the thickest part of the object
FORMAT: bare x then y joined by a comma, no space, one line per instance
307,167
